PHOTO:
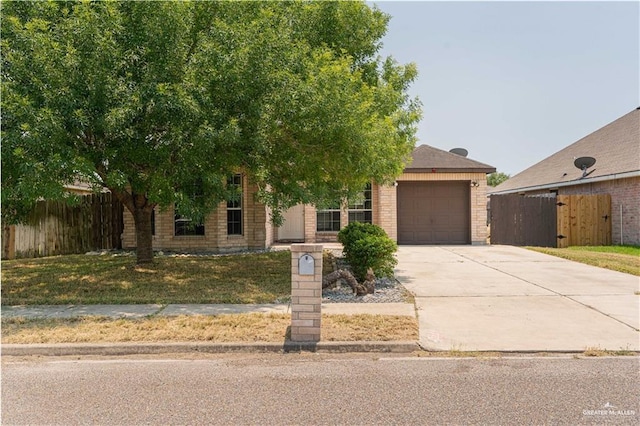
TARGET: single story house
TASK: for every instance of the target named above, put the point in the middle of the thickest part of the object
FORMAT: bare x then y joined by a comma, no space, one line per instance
616,171
439,199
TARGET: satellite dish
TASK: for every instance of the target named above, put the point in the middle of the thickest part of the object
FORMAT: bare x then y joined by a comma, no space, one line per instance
583,163
459,151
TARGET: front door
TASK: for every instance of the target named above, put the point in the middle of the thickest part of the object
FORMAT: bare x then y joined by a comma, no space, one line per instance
293,227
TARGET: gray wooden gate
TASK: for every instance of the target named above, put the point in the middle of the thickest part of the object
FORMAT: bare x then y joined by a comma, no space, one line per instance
523,221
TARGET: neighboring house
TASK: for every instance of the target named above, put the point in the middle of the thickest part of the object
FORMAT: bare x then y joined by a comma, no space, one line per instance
439,199
616,149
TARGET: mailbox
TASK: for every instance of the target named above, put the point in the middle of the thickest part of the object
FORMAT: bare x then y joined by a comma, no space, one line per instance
306,264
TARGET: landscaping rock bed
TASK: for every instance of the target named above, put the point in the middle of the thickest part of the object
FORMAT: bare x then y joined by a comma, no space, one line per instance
387,291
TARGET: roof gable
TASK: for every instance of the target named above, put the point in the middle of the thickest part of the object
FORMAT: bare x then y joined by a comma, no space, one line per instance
616,148
428,158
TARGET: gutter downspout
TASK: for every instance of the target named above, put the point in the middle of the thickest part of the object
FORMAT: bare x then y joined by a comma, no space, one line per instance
621,227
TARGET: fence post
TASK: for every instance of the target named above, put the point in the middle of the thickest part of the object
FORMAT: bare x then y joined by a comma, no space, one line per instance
306,292
8,241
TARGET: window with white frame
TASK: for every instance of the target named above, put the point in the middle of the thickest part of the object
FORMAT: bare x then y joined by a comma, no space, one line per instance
360,209
328,220
234,206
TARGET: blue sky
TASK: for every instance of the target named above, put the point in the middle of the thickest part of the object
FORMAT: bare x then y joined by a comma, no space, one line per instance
514,82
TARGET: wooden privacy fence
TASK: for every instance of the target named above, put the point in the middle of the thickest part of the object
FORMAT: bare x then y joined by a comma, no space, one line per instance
561,221
523,221
584,220
55,228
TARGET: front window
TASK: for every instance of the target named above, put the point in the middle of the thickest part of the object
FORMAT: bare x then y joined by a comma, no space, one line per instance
328,220
360,209
185,226
234,206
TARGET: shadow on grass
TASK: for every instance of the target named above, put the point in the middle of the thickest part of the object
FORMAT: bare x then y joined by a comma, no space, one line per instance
81,279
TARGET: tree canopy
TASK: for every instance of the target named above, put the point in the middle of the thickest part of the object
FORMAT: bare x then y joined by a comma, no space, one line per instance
496,178
153,99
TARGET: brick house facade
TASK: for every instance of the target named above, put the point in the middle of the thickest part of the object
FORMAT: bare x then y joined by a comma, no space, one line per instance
254,233
379,205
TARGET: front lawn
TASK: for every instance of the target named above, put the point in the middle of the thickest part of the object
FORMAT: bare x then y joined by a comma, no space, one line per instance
618,258
115,279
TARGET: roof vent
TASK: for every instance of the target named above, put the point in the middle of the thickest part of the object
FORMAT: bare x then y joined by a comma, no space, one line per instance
459,151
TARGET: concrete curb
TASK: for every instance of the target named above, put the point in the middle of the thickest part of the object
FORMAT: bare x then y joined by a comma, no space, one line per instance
111,349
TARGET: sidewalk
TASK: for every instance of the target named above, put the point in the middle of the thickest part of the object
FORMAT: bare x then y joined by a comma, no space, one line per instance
141,311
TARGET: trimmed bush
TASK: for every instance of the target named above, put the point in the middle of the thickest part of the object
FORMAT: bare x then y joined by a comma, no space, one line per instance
368,246
356,231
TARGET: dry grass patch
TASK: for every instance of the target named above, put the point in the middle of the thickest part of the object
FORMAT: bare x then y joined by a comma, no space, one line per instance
598,352
201,328
222,328
369,327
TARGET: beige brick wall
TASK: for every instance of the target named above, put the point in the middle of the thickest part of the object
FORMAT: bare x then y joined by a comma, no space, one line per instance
309,224
385,213
128,233
254,220
479,200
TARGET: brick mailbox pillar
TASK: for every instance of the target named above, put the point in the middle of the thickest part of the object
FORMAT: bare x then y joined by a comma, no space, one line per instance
306,292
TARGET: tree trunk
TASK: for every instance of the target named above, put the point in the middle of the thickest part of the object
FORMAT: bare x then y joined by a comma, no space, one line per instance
368,287
141,209
144,236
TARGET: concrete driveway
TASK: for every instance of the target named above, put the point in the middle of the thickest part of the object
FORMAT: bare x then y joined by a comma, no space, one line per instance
504,298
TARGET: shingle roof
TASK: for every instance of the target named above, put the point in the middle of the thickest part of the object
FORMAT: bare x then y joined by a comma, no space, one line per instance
426,158
616,148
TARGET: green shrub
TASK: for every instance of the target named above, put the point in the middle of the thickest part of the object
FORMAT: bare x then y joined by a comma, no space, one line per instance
368,246
356,231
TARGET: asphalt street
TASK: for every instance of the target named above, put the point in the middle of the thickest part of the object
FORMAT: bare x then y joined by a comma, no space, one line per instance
320,389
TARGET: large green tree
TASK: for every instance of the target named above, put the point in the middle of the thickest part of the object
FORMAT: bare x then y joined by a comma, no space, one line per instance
153,99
